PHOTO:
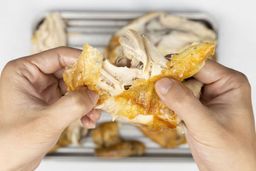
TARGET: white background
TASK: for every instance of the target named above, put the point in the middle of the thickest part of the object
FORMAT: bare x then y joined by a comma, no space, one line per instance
236,48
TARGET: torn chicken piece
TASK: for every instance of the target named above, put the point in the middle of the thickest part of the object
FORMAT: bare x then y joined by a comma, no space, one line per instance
122,149
139,102
51,33
110,144
170,35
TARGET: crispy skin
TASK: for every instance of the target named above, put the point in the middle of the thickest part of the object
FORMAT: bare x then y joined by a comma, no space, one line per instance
140,100
122,149
106,135
86,72
110,50
178,33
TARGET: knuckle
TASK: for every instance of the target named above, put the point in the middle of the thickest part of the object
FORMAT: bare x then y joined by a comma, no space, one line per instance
62,48
240,76
180,94
187,95
80,101
9,66
9,70
11,63
239,80
76,98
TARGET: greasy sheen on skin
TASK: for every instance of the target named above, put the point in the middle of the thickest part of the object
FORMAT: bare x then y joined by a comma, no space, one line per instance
139,103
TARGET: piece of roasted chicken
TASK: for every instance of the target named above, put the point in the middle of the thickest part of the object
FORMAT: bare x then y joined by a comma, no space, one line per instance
122,149
169,34
106,134
128,93
109,143
51,33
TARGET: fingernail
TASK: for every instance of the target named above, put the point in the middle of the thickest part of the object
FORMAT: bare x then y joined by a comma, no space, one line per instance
87,123
163,85
93,96
90,125
70,61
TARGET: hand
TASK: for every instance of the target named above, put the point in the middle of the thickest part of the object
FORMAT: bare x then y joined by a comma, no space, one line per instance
220,129
34,110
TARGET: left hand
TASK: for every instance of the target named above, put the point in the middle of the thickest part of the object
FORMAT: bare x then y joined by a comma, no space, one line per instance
34,110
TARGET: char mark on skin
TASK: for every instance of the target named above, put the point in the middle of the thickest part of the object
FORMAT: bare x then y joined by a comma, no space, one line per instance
126,87
169,56
140,65
204,22
122,61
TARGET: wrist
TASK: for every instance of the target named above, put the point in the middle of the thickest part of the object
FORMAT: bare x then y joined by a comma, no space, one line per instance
9,162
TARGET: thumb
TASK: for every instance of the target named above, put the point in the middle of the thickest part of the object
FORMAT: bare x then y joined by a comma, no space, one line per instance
71,107
182,101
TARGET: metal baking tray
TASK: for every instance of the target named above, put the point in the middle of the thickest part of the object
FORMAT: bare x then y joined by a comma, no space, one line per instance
96,28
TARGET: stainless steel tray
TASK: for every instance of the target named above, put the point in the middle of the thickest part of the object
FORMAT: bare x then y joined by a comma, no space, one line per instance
96,28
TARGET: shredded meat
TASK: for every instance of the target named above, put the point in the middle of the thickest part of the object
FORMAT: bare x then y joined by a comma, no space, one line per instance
140,103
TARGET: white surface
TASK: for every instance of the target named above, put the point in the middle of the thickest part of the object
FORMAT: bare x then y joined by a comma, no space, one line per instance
116,166
237,43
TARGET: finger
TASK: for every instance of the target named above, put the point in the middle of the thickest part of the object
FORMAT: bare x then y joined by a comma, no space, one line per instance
219,79
35,68
59,74
182,101
194,85
63,87
212,72
71,107
51,61
94,115
87,122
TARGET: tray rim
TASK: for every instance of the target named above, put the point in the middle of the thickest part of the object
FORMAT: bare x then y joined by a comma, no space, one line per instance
190,14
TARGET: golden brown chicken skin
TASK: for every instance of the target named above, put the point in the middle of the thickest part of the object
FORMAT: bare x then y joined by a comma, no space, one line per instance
122,149
109,143
106,134
140,103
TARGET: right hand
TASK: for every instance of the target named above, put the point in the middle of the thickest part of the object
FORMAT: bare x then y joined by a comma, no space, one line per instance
220,128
